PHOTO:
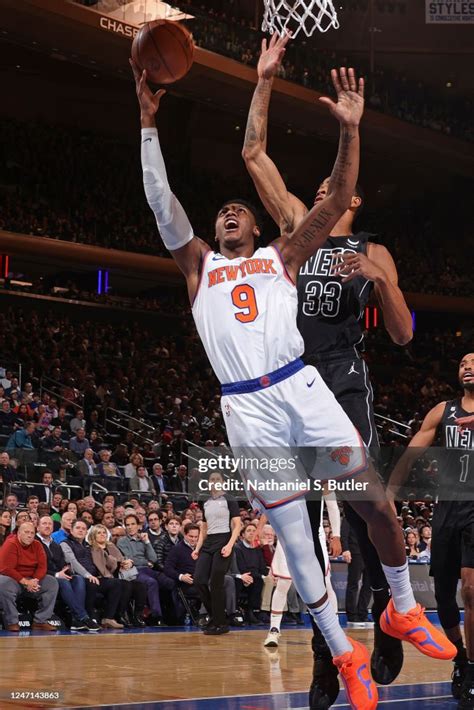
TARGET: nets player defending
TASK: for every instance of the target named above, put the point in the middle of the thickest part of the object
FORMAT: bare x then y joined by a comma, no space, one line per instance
330,309
244,303
452,544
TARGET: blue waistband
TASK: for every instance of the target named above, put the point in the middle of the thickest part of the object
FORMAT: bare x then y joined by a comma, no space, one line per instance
261,383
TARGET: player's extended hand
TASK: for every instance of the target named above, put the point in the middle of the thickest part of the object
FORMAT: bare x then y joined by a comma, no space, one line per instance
226,550
149,101
350,97
335,546
347,557
271,56
465,422
349,265
194,554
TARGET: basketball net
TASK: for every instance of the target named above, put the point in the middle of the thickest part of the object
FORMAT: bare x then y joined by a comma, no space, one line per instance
282,16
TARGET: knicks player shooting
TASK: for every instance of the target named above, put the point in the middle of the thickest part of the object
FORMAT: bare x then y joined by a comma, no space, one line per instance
452,544
244,303
332,298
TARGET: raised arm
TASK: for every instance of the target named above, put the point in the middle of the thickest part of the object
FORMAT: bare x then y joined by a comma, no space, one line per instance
173,223
286,209
316,226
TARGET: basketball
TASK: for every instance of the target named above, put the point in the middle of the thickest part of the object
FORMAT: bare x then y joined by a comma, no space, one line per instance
165,49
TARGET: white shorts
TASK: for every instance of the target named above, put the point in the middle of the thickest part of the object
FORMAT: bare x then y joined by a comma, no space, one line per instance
297,413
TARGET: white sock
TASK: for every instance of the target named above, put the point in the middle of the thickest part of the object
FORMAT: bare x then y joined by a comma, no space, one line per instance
402,593
328,624
278,602
275,620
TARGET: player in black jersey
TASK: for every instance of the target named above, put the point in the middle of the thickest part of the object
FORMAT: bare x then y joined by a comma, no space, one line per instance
334,287
452,544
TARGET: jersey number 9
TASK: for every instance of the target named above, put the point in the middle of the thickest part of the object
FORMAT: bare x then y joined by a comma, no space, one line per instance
243,298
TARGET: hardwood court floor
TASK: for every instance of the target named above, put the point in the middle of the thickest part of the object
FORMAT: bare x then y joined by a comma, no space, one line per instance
139,667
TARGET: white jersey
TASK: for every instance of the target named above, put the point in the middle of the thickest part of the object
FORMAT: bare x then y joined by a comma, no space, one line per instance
245,312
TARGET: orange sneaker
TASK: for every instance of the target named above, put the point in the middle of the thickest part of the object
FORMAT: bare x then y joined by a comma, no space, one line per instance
415,628
355,673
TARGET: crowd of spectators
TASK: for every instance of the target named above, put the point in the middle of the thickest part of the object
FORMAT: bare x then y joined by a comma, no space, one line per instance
305,63
67,202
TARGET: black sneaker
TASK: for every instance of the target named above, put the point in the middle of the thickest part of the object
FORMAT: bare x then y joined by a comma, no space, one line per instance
154,620
78,624
203,621
386,660
325,685
92,625
466,700
457,678
236,619
138,621
216,630
253,620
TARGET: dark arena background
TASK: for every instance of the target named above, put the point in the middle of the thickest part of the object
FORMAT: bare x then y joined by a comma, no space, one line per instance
99,352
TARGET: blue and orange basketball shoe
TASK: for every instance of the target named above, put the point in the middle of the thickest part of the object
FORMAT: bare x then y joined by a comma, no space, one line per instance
354,669
415,628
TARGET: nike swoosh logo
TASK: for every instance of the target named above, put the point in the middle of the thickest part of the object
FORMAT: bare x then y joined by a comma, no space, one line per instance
146,139
217,258
310,384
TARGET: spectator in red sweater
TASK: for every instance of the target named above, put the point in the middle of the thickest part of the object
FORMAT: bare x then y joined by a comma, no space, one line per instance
23,570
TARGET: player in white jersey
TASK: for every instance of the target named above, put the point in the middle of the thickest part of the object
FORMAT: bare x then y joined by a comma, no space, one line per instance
244,303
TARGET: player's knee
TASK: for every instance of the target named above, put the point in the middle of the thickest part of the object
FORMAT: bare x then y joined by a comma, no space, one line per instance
467,593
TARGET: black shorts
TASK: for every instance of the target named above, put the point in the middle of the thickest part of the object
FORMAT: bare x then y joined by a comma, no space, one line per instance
347,376
452,543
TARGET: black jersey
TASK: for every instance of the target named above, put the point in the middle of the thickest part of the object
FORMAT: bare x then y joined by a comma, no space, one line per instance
452,546
456,465
330,311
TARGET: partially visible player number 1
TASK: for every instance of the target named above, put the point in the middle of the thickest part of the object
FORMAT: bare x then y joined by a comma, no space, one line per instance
243,298
464,467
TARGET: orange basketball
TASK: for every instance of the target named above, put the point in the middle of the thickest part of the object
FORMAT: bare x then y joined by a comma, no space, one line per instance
165,49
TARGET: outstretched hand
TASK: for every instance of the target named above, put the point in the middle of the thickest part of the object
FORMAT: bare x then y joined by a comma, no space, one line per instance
149,101
271,56
350,97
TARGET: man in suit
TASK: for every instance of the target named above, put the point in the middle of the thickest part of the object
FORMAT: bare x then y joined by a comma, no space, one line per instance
179,482
87,467
45,492
7,472
141,482
159,480
180,566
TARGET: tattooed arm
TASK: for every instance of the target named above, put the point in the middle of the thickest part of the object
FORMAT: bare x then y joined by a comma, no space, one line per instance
286,209
315,227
